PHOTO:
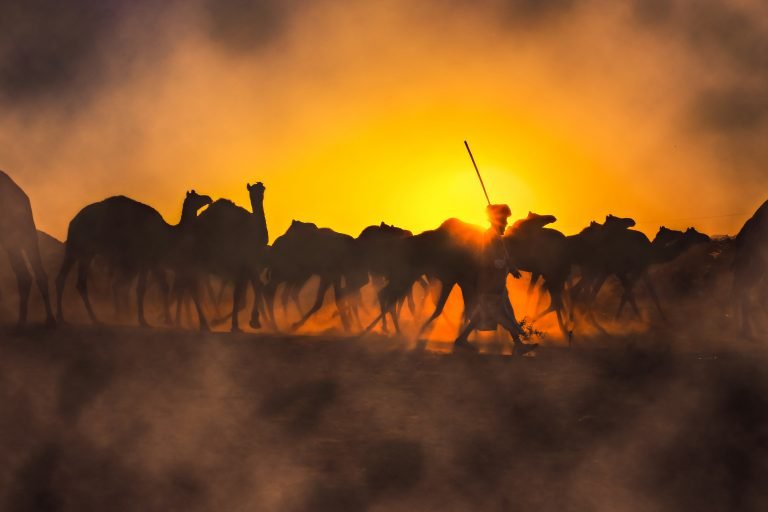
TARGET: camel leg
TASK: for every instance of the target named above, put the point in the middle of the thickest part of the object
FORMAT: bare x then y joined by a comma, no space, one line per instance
531,289
591,297
373,324
117,304
594,291
384,306
61,280
141,290
41,279
269,292
445,292
285,296
178,294
628,295
195,293
237,298
269,298
411,302
82,287
214,298
341,304
395,321
654,295
574,293
567,335
23,281
357,304
322,288
165,291
295,292
255,322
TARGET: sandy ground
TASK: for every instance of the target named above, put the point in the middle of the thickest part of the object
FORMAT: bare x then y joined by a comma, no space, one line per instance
130,419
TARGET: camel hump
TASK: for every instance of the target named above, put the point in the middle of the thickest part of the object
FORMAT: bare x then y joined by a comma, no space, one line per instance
461,232
456,225
755,225
384,229
10,191
15,208
224,212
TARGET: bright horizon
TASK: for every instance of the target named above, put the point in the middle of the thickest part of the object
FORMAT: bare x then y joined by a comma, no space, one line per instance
357,115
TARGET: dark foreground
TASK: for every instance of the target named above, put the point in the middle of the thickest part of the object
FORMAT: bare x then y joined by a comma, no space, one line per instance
157,421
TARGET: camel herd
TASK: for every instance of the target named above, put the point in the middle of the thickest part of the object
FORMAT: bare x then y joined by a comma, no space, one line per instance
222,240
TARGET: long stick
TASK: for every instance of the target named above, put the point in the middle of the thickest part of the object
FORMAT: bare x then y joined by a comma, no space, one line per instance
471,156
501,237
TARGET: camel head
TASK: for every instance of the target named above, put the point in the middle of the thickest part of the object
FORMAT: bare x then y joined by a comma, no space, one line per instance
611,221
256,191
682,239
532,222
194,201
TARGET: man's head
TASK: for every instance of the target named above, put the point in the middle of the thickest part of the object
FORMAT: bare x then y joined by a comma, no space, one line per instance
498,215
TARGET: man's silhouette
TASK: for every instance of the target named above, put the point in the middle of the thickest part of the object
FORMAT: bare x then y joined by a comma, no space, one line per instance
493,307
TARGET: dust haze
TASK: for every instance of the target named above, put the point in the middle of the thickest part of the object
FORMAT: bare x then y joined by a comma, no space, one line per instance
649,108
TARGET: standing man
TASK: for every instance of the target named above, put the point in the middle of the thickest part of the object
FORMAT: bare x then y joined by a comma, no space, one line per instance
493,307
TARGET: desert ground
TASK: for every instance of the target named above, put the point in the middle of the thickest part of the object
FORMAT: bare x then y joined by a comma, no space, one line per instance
122,418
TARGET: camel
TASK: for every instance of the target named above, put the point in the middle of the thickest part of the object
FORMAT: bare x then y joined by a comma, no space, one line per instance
750,267
229,242
18,236
382,250
305,250
447,254
614,249
666,246
544,253
132,237
587,251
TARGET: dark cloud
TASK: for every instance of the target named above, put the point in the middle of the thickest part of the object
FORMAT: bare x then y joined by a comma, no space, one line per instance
734,33
536,10
54,52
244,25
47,46
732,111
653,12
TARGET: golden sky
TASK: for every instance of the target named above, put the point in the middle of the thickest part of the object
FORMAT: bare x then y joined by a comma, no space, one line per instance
356,114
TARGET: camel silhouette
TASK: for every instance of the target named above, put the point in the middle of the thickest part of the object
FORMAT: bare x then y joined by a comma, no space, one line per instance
230,242
592,251
305,250
18,236
666,246
131,237
382,249
750,268
612,249
543,252
449,254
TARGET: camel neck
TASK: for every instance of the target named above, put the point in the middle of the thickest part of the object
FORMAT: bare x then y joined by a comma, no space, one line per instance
257,207
188,214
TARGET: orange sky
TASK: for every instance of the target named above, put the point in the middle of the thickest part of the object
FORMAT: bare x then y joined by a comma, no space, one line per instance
357,115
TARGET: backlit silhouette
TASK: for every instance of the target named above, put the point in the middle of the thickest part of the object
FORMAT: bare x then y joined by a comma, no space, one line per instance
18,236
130,236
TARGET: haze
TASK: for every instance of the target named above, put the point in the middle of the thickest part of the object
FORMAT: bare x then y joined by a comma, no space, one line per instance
355,113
